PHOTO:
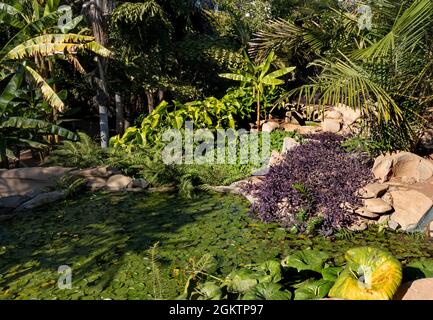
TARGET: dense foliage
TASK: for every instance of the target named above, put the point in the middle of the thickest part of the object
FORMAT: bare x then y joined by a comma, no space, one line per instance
313,188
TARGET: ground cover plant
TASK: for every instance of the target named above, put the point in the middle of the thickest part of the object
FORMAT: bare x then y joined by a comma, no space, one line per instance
108,249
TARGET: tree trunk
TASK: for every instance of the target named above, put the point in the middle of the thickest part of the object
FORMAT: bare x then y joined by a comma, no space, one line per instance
97,12
120,119
150,101
160,95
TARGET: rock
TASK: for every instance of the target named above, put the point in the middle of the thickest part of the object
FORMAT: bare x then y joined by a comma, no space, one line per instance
331,125
387,197
12,201
421,289
274,160
430,230
360,226
289,144
384,219
309,129
42,199
412,208
35,173
270,126
333,114
372,190
350,115
98,172
402,164
118,182
290,127
377,205
363,212
393,225
139,183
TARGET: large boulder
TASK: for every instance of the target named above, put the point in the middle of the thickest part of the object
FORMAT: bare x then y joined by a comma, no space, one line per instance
118,182
377,205
404,165
41,199
421,289
270,126
29,181
413,209
331,125
289,144
373,190
350,115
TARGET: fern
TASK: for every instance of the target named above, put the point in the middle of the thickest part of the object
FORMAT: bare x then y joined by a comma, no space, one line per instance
155,273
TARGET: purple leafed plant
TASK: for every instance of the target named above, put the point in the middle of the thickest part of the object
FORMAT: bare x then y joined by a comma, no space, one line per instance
313,188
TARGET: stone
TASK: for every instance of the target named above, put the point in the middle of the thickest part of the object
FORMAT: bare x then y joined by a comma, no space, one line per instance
384,219
290,127
35,173
98,172
350,115
118,182
274,160
139,183
12,201
421,289
309,129
363,212
289,144
402,164
430,230
42,199
270,126
372,190
377,205
387,197
333,114
411,207
331,125
393,225
360,226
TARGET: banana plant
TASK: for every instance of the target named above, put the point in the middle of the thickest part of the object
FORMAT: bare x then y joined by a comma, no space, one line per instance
40,39
257,76
17,132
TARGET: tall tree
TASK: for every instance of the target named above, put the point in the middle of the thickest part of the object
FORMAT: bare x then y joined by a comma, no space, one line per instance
97,12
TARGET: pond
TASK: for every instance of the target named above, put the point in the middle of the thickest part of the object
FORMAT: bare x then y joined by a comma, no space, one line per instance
105,239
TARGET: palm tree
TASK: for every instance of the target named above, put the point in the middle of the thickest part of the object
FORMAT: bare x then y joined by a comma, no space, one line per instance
257,77
378,72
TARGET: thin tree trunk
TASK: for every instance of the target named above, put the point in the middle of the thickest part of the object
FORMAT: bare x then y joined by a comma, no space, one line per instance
160,95
120,119
150,101
97,12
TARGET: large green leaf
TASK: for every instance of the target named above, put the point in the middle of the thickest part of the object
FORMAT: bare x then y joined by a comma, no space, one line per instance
241,280
10,91
331,273
267,291
312,260
39,125
209,291
271,270
311,289
418,269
